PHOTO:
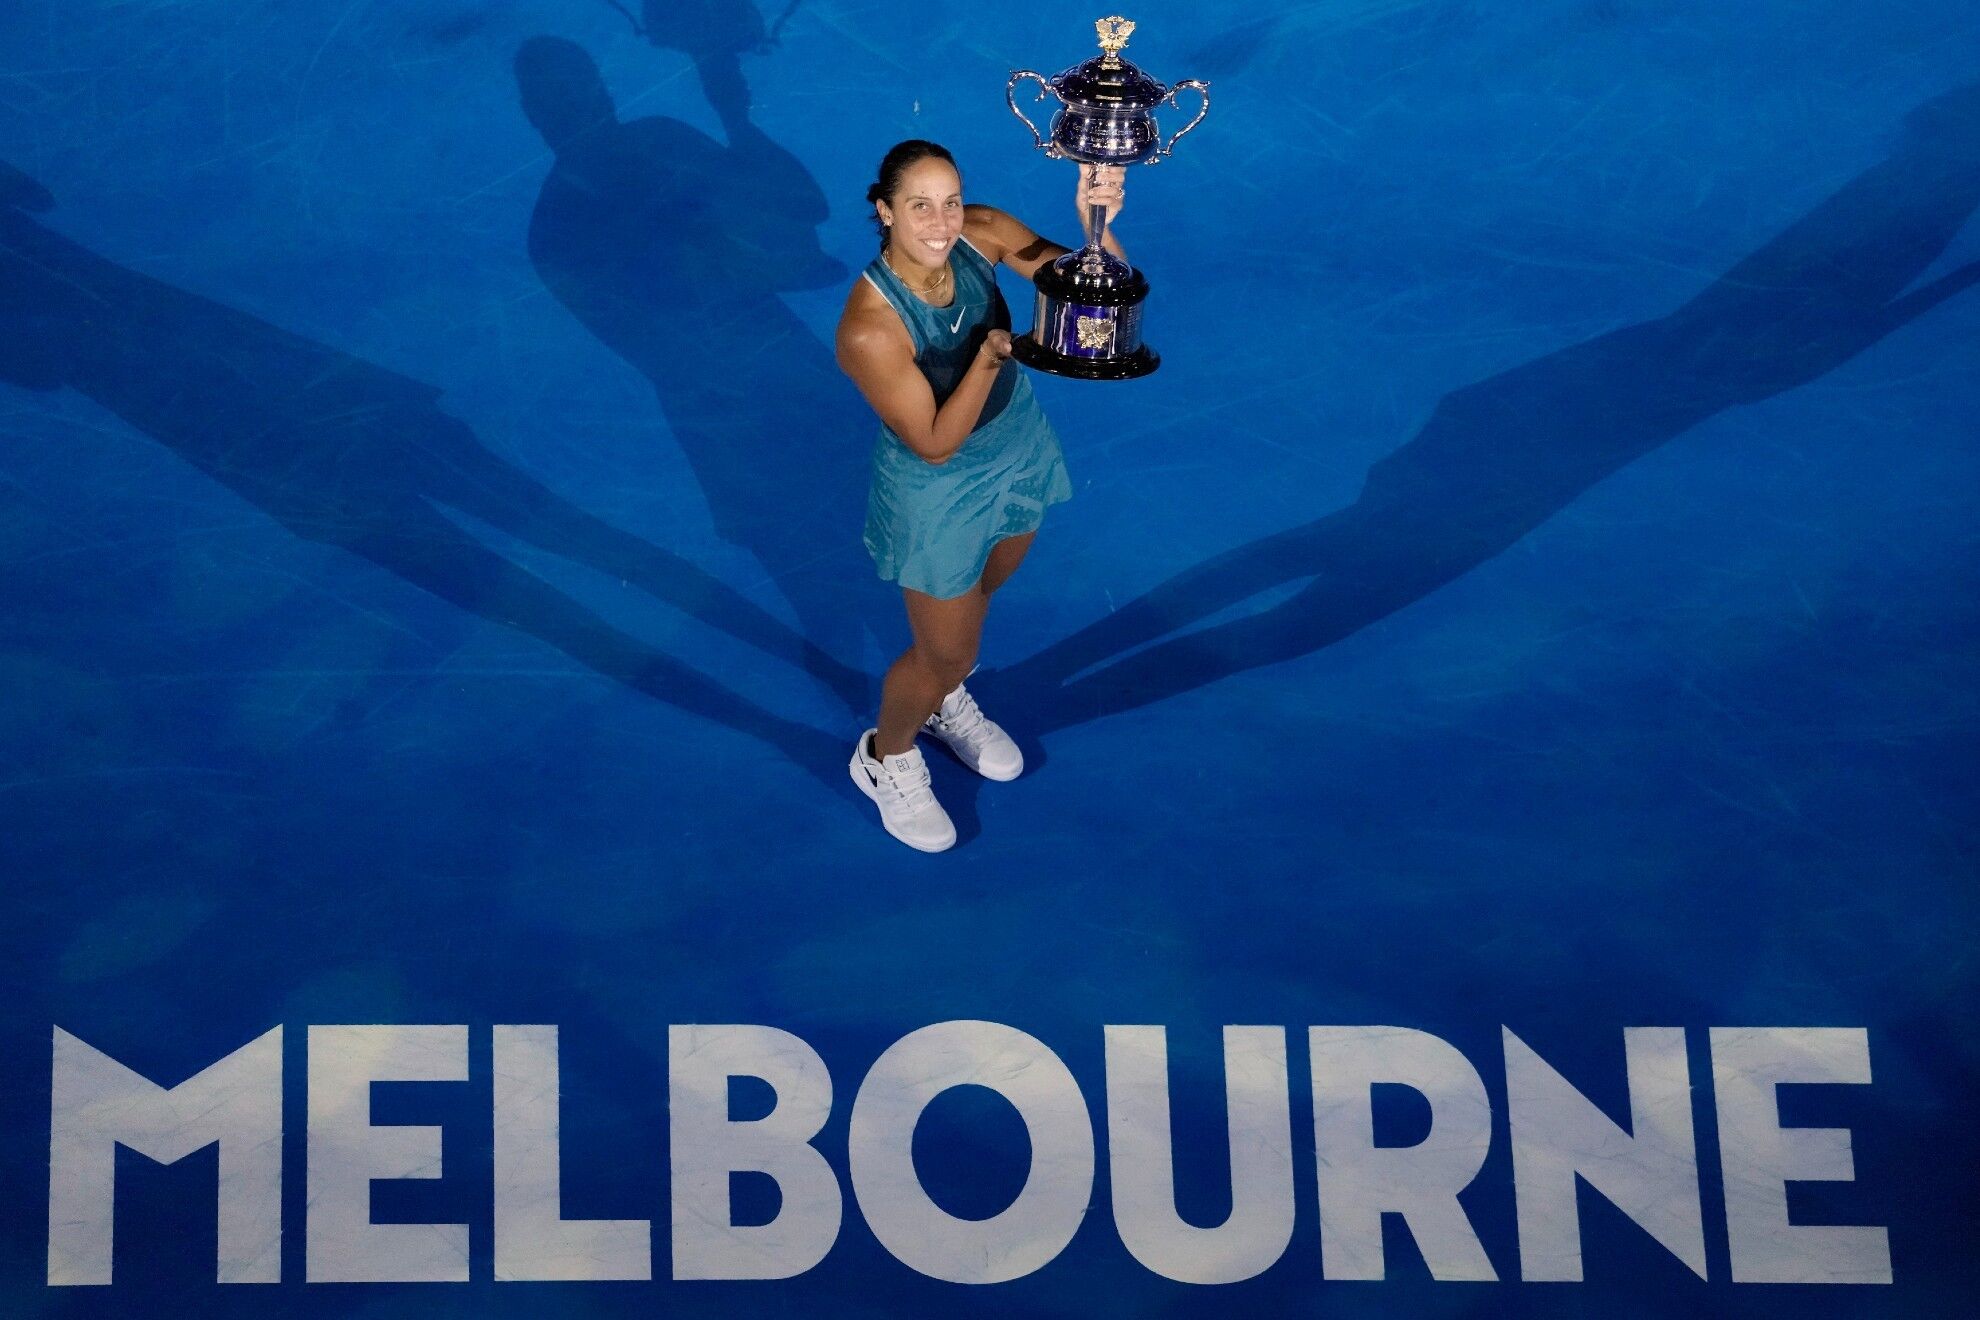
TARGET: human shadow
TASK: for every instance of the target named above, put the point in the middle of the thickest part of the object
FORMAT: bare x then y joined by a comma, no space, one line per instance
1498,458
347,453
715,34
672,249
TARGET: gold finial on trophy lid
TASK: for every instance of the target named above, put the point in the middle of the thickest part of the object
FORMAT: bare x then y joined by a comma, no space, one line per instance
1114,33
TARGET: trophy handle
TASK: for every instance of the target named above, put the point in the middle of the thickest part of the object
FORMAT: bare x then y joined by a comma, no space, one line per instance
1202,89
1010,95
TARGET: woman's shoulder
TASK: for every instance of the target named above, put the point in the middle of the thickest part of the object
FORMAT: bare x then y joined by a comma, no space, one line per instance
991,231
863,301
869,322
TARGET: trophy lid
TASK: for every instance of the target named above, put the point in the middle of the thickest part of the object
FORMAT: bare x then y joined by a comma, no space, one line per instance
1107,79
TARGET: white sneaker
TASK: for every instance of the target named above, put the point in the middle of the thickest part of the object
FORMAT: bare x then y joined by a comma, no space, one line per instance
977,742
899,786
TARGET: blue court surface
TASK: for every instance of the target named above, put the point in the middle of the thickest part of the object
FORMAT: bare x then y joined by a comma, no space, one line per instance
1499,832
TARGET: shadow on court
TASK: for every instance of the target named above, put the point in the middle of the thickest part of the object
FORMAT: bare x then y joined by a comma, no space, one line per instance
344,452
1498,458
672,249
715,34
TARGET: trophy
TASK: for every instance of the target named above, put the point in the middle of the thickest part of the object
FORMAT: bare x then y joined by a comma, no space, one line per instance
1088,320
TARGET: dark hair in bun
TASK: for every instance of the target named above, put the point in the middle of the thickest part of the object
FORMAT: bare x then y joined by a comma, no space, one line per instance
894,164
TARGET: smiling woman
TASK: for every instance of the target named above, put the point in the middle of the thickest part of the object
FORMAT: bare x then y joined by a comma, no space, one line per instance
964,467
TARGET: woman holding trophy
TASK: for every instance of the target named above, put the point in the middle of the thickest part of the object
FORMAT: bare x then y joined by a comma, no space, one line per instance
965,465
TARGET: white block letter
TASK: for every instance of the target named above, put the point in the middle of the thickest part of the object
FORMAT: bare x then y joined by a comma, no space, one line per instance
97,1105
1649,1172
1359,1181
347,1154
1759,1157
706,1147
880,1150
1141,1159
533,1241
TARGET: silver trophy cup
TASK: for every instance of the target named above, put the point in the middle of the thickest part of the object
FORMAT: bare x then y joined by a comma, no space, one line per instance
1088,322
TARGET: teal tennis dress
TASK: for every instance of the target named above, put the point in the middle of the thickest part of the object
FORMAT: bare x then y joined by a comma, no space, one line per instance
931,526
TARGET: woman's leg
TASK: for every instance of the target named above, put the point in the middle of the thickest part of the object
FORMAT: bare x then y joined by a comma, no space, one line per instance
946,635
944,650
1005,556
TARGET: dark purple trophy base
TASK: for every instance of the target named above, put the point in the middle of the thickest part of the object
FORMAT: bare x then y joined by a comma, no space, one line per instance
1039,358
1088,322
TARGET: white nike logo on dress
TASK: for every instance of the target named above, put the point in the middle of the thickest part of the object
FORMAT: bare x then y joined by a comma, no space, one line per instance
959,316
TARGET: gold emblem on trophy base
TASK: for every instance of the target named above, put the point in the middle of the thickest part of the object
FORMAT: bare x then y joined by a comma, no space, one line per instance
1095,332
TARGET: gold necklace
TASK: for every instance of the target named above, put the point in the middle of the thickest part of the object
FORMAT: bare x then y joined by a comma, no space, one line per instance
925,290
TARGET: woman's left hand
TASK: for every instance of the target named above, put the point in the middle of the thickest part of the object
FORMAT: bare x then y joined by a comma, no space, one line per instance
1100,185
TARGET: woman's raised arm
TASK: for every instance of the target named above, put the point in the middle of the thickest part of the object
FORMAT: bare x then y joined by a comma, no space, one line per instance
1003,237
